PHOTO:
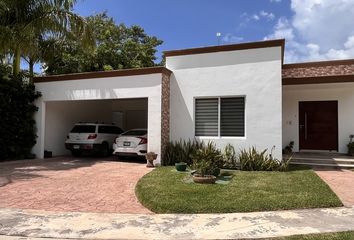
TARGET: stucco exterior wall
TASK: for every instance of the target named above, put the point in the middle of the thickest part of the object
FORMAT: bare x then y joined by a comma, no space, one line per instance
341,92
124,87
254,73
61,116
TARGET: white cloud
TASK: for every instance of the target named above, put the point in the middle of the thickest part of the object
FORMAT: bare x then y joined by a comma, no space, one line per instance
318,30
261,15
255,17
267,15
230,38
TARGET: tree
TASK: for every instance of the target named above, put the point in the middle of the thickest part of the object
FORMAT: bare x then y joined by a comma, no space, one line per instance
25,23
116,47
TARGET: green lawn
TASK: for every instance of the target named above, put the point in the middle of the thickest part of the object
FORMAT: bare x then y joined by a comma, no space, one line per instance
166,191
325,236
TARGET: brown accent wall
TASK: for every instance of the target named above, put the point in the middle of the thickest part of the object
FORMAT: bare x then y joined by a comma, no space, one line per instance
317,71
165,112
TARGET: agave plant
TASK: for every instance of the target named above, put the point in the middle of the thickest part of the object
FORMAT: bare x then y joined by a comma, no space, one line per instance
207,160
253,160
180,151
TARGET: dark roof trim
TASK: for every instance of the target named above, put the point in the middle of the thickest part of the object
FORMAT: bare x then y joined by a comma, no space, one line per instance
233,47
319,64
106,74
317,80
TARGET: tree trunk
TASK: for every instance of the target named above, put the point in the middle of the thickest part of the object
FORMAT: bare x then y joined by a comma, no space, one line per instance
31,66
17,61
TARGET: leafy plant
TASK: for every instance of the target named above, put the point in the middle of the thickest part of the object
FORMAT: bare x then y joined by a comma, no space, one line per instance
289,148
351,148
253,160
229,157
17,131
207,160
180,151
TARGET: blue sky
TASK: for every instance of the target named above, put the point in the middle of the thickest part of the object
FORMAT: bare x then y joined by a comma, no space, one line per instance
313,29
194,23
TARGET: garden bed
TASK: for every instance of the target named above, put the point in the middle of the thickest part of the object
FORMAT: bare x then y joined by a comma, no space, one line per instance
167,191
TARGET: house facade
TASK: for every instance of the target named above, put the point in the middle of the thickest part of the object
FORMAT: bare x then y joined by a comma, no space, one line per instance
240,94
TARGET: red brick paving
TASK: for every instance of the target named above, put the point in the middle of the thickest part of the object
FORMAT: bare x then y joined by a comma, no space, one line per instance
71,184
341,181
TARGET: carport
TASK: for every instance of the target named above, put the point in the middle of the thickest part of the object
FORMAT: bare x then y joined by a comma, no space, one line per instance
137,98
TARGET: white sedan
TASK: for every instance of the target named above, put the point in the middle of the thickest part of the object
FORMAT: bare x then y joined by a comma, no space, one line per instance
131,143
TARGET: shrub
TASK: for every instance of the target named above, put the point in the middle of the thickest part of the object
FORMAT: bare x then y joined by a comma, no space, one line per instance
207,160
253,160
180,151
17,126
289,148
229,157
351,148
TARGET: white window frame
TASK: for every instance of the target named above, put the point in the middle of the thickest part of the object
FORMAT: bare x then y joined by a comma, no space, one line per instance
219,117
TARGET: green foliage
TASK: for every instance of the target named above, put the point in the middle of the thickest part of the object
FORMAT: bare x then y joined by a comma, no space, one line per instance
253,160
351,148
289,148
25,23
229,157
180,151
116,47
207,160
17,131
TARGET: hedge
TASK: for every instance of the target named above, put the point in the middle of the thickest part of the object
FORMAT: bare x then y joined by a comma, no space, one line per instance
17,126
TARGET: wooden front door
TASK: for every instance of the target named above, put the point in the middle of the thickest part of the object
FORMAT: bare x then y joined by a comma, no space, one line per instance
318,125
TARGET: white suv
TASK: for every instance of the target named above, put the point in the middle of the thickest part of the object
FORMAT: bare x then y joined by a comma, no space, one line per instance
92,137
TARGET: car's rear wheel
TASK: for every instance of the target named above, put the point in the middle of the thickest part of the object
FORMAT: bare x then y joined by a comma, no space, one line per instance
76,153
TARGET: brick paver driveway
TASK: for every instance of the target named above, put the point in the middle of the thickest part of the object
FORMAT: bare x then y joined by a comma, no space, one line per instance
72,184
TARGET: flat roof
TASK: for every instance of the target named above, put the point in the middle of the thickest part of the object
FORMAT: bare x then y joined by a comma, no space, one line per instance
103,74
231,47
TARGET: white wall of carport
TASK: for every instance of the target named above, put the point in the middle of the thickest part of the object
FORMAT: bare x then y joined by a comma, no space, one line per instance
61,116
341,92
139,86
254,73
131,109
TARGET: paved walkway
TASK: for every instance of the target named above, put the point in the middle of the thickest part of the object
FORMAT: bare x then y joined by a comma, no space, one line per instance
43,224
341,181
69,184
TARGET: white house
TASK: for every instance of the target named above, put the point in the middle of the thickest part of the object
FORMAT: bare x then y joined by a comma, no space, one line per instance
241,94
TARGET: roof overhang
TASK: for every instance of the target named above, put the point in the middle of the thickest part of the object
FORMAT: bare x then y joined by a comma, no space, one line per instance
232,47
103,74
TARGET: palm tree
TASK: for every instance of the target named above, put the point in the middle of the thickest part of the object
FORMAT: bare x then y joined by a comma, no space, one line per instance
23,23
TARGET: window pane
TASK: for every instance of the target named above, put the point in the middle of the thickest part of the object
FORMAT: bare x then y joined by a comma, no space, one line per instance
139,132
206,117
232,117
84,129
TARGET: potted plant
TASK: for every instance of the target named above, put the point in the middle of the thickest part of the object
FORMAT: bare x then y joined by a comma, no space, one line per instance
150,157
206,163
181,166
289,148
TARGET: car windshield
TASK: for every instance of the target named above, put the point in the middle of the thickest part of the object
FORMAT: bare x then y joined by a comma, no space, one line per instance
135,133
84,129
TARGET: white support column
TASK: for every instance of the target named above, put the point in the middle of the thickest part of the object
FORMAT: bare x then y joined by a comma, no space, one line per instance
39,117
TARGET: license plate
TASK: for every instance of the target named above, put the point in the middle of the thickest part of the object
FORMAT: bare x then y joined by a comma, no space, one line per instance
126,144
76,146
